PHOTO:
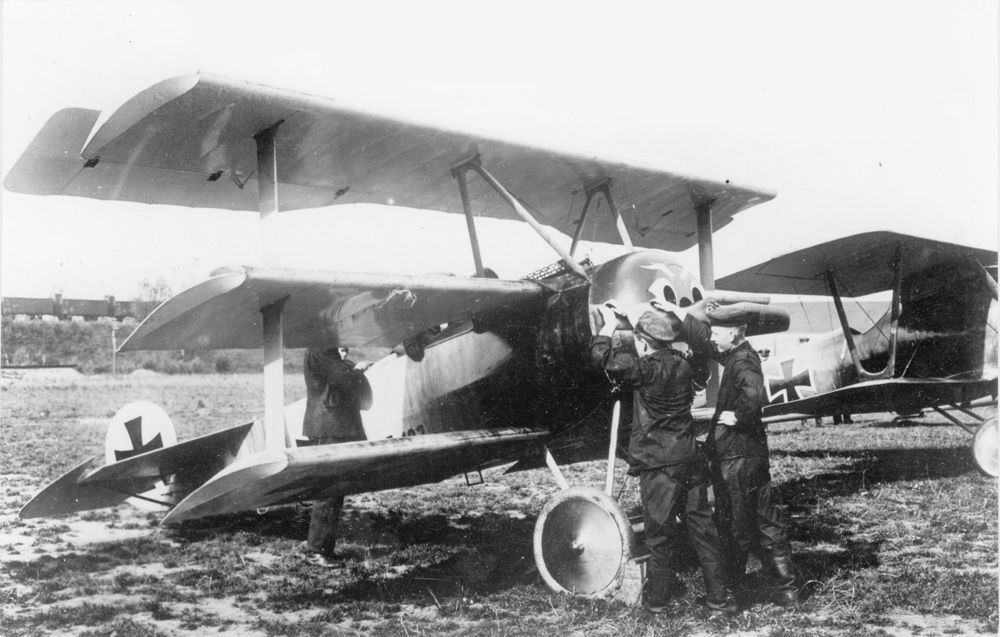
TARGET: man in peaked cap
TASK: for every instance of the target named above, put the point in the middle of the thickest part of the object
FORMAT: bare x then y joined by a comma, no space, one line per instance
663,453
748,517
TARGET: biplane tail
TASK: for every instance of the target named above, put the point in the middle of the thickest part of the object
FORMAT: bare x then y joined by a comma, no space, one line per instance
142,464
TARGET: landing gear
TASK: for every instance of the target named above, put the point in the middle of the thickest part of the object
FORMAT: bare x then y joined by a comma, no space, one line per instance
985,439
583,542
986,447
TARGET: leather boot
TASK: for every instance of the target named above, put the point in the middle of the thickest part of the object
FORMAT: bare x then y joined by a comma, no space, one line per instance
719,600
784,590
661,587
737,571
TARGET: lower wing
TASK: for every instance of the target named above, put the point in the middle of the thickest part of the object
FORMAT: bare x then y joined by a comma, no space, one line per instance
902,395
310,473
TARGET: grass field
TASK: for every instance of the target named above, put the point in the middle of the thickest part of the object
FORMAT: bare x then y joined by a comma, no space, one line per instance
893,529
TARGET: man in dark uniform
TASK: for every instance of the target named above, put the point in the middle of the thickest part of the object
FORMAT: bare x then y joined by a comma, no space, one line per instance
748,518
663,453
336,389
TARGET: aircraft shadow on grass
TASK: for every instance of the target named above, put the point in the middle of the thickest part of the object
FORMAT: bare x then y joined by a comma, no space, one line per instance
494,554
499,554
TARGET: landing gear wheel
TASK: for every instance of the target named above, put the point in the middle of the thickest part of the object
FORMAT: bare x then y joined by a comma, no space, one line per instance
986,447
582,543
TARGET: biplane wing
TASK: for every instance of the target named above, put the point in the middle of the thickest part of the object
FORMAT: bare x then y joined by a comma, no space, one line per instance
190,141
900,395
864,261
323,309
308,473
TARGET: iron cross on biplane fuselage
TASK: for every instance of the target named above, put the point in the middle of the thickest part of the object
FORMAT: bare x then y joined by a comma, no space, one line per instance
496,371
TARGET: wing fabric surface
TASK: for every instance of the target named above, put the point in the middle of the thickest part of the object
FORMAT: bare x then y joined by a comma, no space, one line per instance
902,395
323,309
862,262
189,141
308,473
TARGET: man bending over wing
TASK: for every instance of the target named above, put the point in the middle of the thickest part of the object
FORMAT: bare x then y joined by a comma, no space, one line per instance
673,473
336,389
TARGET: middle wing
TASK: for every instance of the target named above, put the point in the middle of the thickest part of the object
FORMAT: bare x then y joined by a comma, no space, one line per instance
323,309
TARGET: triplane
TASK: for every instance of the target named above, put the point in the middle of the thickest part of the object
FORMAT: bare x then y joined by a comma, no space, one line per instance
494,371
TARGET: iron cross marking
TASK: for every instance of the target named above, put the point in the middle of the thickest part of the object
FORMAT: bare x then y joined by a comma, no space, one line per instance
134,429
786,387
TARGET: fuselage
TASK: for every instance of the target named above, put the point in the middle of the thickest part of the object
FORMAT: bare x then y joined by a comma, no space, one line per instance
517,370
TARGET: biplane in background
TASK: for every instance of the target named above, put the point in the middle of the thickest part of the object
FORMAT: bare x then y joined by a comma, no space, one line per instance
934,348
494,371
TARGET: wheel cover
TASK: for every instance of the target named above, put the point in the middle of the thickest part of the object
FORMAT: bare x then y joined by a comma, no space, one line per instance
986,447
582,542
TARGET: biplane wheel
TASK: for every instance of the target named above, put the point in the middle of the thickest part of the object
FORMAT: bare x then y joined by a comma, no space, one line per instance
582,542
986,447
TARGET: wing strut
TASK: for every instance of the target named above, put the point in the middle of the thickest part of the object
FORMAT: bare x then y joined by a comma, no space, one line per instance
274,376
706,266
705,257
522,212
470,220
274,347
267,191
602,188
890,367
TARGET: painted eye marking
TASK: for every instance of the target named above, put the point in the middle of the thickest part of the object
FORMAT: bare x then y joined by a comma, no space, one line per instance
668,294
696,294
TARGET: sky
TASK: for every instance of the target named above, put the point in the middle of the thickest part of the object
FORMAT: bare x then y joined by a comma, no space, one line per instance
860,115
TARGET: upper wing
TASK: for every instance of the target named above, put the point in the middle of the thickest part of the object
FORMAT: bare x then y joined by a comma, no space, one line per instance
309,473
189,141
895,394
322,309
864,262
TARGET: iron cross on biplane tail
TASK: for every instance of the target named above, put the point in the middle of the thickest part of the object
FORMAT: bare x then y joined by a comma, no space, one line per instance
495,371
934,348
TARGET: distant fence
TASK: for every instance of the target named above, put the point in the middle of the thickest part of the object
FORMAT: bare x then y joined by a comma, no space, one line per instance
65,309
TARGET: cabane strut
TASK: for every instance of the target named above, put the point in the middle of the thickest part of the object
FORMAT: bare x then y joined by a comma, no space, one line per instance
473,163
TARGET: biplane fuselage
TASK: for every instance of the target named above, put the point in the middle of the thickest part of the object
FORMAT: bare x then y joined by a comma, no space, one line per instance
516,369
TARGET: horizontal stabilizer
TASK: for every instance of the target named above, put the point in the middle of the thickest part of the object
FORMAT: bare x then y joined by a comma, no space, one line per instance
309,473
189,141
210,452
862,263
68,495
93,485
323,309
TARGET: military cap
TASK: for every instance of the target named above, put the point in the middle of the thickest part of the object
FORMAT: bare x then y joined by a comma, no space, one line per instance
656,325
